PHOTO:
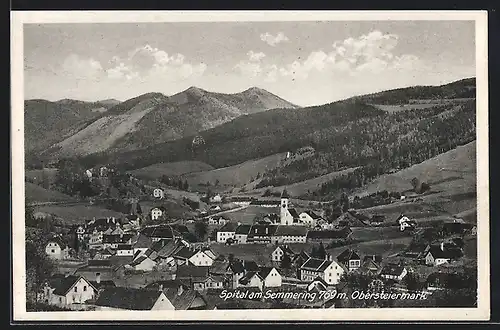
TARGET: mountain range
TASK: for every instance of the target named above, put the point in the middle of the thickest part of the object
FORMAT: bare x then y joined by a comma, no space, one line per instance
69,128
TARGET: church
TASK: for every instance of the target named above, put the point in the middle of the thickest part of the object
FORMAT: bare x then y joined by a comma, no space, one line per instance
288,216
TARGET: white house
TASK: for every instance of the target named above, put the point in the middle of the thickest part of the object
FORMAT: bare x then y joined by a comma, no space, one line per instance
393,272
405,223
309,218
202,258
57,249
291,234
88,173
124,250
158,193
270,276
156,213
63,291
216,199
251,279
438,254
328,270
280,251
80,233
227,231
142,262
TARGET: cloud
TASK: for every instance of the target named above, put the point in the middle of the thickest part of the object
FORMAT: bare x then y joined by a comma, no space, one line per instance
81,68
253,56
273,40
146,62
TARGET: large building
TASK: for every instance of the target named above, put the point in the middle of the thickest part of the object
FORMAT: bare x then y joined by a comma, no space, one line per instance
288,216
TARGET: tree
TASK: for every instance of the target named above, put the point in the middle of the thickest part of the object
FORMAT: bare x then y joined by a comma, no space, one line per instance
38,266
200,229
29,217
138,209
286,262
186,185
412,281
321,251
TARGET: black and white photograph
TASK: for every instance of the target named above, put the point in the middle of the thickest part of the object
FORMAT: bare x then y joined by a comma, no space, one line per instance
250,165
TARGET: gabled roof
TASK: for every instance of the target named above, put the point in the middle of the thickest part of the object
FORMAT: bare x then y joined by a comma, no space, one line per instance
250,265
167,284
370,265
184,253
139,260
159,231
128,298
260,230
293,213
320,281
392,270
243,229
194,272
170,248
446,253
374,257
317,265
62,285
348,255
229,227
312,214
248,277
264,271
286,249
142,242
58,240
219,267
291,231
103,284
182,300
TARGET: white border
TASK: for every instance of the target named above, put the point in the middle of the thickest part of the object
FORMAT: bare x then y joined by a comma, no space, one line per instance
482,312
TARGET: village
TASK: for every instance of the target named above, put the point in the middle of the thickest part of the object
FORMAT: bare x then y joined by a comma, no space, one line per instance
146,261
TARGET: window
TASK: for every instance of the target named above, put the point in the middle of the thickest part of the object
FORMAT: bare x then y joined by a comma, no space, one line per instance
60,300
76,289
53,251
84,288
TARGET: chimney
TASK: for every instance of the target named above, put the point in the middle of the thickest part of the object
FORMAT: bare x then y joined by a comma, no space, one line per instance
160,287
98,278
442,246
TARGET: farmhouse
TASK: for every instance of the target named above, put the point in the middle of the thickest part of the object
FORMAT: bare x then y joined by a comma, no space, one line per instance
63,291
290,234
350,259
393,272
262,234
121,298
57,249
309,218
241,233
158,193
227,231
328,270
270,276
280,251
439,254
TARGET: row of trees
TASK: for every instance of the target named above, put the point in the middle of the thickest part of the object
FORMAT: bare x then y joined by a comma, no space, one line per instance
175,182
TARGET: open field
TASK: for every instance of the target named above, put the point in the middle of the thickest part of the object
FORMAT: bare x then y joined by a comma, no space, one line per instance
77,213
248,214
236,175
377,233
454,170
388,247
156,171
37,176
35,193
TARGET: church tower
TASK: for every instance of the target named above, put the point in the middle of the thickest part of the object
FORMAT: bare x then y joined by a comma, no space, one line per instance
285,216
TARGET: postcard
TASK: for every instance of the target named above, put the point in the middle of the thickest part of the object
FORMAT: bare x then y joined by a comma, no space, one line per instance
250,165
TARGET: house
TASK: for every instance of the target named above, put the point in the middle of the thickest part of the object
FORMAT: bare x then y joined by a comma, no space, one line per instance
441,254
215,208
290,234
271,218
180,295
415,251
124,250
393,272
57,249
80,233
159,232
350,259
456,228
156,213
142,262
280,251
197,277
158,193
227,231
183,254
66,290
328,270
262,234
102,254
100,270
317,285
216,199
329,236
270,276
241,200
241,233
251,279
405,223
122,298
202,257
113,240
309,218
141,244
371,265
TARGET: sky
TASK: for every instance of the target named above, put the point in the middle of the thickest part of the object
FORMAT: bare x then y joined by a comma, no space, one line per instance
306,63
